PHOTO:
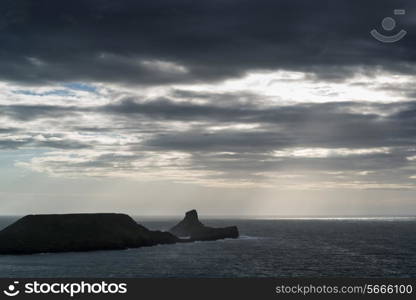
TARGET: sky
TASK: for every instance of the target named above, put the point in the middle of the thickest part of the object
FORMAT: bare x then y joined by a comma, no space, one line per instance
231,107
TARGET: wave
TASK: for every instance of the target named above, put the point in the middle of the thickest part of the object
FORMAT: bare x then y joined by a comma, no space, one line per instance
249,237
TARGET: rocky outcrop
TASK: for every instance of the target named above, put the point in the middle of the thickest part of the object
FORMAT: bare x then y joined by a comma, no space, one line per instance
192,228
88,232
189,225
78,232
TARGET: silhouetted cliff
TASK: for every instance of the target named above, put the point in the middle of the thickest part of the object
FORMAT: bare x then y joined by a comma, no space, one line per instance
78,232
191,227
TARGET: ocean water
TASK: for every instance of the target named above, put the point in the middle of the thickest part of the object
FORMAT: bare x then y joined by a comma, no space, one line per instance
381,247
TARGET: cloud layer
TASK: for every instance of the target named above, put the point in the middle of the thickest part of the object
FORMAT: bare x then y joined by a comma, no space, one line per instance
137,42
361,144
286,94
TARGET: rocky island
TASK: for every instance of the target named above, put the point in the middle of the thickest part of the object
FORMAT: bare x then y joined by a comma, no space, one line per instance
192,228
101,231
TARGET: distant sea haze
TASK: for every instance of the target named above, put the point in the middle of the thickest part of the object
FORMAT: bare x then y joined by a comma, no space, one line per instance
346,247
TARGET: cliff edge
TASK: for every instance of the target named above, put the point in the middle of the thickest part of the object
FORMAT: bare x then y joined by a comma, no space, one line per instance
78,232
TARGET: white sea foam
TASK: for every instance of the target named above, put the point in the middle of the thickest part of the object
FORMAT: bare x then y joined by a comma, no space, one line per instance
248,237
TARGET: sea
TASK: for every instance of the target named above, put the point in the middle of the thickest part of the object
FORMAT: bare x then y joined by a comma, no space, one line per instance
267,247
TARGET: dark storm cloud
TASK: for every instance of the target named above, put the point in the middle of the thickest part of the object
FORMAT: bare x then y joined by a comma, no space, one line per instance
331,124
262,162
10,144
237,112
61,144
33,143
125,41
32,112
8,130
